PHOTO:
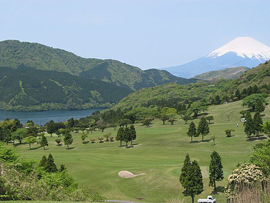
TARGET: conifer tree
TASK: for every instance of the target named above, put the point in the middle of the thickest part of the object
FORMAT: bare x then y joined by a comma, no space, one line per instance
203,128
259,106
133,133
44,142
249,125
50,165
215,169
192,131
120,135
43,161
127,136
191,178
257,120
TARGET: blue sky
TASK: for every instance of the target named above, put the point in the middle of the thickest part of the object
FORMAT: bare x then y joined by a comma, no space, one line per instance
144,33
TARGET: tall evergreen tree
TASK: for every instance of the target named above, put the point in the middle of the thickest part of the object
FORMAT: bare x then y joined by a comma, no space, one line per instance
249,125
192,131
133,133
259,106
203,128
127,136
120,135
191,178
43,161
43,142
51,127
215,170
257,120
50,165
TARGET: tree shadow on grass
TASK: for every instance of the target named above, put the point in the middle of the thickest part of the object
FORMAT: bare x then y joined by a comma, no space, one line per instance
219,189
70,148
85,142
207,140
34,148
256,138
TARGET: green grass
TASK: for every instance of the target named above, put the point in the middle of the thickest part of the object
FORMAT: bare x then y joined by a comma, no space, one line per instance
160,153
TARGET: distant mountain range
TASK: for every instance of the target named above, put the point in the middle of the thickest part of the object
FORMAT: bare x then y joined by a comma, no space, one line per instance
32,74
227,73
242,51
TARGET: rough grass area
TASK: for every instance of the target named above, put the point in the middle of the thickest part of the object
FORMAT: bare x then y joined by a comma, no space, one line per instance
158,152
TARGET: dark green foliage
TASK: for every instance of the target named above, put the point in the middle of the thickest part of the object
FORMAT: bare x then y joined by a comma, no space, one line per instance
68,139
249,125
127,136
261,156
133,133
43,161
51,127
172,120
43,142
209,118
259,106
186,117
31,89
257,120
7,154
215,169
50,165
229,132
164,118
62,168
191,178
197,107
192,131
251,101
120,135
203,128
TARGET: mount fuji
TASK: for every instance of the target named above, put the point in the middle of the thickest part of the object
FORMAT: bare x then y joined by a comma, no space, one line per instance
242,51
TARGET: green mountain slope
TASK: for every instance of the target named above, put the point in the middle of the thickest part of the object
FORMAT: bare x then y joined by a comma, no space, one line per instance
228,73
15,53
31,89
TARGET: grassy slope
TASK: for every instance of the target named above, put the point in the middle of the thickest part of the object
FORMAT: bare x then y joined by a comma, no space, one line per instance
160,154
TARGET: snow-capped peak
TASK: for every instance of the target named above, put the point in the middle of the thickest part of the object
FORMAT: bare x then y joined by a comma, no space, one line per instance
245,47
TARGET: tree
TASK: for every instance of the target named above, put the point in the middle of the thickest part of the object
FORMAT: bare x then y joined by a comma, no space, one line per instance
133,133
164,118
197,107
44,142
147,121
186,117
43,161
215,170
192,131
249,125
83,136
257,120
203,128
250,101
191,178
107,136
92,140
266,128
50,165
120,135
209,118
68,139
243,112
259,106
229,132
19,134
127,136
58,141
51,127
30,140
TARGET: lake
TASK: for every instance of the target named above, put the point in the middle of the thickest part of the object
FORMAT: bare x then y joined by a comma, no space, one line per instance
42,117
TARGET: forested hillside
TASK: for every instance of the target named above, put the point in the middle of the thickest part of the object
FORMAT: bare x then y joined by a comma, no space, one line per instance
15,53
31,89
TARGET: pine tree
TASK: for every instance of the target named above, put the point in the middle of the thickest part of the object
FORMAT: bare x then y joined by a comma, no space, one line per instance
249,125
127,136
192,131
43,161
257,120
259,106
203,128
133,133
120,135
191,178
215,169
50,165
44,142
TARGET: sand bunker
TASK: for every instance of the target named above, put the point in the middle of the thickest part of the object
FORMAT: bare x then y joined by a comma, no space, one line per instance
127,174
